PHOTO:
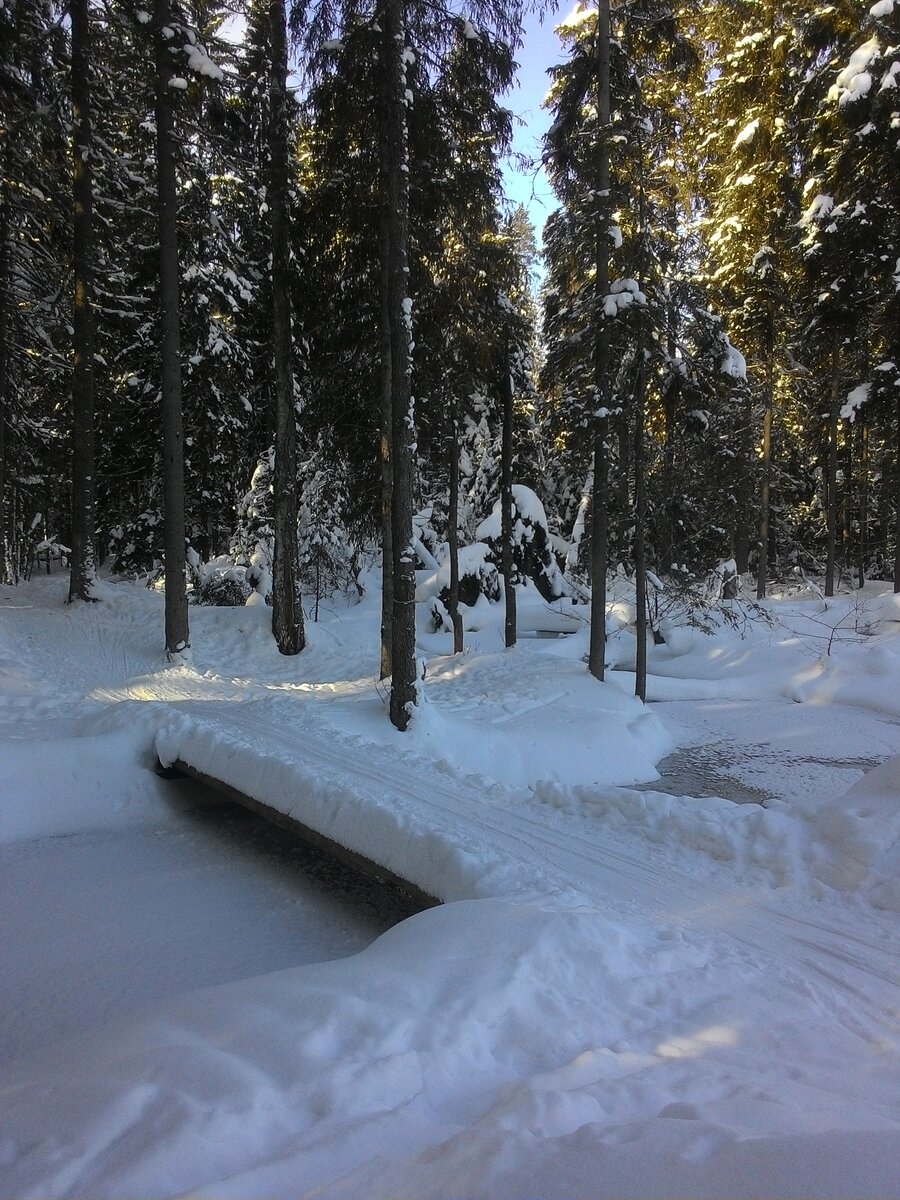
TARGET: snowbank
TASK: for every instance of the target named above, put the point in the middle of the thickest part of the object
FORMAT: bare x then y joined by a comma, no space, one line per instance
73,784
563,1051
855,842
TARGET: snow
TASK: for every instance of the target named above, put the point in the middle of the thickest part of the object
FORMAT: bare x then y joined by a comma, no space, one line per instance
820,207
855,81
856,398
747,134
733,363
198,60
622,294
579,15
628,992
884,8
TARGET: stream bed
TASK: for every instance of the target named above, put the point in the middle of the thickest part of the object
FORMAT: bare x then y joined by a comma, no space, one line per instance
97,925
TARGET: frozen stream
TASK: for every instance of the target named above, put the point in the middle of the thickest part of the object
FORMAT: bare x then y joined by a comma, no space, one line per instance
770,751
97,925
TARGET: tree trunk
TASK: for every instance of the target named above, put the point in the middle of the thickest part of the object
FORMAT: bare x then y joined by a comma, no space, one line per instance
507,563
395,197
640,481
453,534
624,503
640,525
766,477
384,445
668,472
897,498
287,612
6,571
177,632
862,541
599,510
81,564
845,558
831,496
740,539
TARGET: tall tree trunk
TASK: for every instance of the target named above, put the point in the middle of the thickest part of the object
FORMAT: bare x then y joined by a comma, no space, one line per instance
766,477
384,457
453,534
845,558
599,511
6,572
740,538
862,541
507,562
624,504
177,632
640,480
667,525
287,612
831,496
395,197
640,526
81,565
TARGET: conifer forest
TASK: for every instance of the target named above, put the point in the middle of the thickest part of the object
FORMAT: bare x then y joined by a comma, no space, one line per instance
266,312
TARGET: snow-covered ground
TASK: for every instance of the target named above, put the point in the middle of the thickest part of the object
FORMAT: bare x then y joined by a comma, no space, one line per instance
629,992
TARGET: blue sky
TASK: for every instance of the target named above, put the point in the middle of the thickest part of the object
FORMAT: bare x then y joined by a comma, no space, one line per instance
540,51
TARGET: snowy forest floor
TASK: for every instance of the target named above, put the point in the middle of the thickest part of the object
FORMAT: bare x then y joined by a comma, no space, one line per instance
630,992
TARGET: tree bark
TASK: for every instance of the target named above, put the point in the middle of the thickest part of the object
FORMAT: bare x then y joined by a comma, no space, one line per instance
395,197
287,612
640,525
670,400
82,568
831,497
507,563
862,541
740,539
384,442
640,481
453,534
766,477
624,502
845,557
177,632
6,571
599,509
